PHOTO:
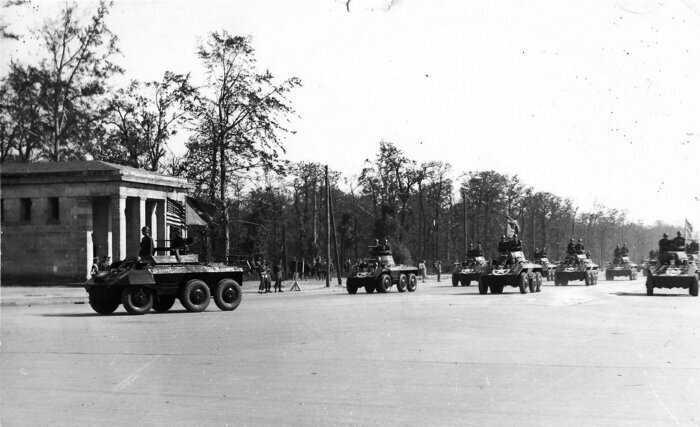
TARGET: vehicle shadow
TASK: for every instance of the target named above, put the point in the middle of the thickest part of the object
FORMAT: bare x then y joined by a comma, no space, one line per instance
644,294
115,314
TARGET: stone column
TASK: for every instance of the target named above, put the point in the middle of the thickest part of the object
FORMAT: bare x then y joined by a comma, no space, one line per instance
117,211
159,212
85,211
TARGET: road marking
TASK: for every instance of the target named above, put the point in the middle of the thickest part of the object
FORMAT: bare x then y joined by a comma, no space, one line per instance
131,378
653,389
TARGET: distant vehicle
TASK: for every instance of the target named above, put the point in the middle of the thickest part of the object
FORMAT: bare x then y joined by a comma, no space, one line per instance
674,270
622,268
144,284
380,273
511,269
576,267
470,270
548,268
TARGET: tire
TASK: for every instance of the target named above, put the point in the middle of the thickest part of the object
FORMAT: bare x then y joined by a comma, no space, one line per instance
564,281
369,289
531,282
455,281
102,305
195,296
163,304
466,282
137,299
609,277
523,284
496,288
693,289
587,278
538,282
650,285
557,281
412,283
352,288
550,275
483,287
384,284
227,295
403,282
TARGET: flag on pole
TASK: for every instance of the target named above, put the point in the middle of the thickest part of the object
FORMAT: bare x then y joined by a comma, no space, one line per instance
174,213
688,228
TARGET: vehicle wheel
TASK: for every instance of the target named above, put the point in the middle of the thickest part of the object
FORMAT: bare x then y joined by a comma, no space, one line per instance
609,276
369,289
538,282
195,296
412,283
137,299
693,287
102,305
564,281
352,288
227,295
496,288
523,283
531,282
403,282
483,287
587,278
551,275
163,304
384,284
455,281
466,282
650,285
557,281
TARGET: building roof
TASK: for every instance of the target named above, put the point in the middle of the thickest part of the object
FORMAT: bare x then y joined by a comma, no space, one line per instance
82,170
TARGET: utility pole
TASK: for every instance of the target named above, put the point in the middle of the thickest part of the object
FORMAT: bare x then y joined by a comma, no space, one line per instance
332,222
328,233
464,211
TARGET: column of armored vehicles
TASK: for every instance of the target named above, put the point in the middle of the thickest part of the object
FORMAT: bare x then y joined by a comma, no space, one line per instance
157,282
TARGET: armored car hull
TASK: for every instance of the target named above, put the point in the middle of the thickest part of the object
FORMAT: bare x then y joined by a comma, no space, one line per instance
142,285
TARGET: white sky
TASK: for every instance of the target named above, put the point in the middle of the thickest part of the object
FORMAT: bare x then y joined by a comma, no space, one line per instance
595,100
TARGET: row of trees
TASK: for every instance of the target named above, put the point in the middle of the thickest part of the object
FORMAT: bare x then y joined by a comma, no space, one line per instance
64,107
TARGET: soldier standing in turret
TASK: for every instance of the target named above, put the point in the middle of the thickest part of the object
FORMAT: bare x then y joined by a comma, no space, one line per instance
679,242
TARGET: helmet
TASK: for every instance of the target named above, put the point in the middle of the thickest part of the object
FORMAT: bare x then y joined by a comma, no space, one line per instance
146,229
503,237
572,240
678,233
617,246
624,244
665,234
580,240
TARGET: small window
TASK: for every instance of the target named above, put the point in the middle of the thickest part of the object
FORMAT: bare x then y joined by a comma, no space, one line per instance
54,212
25,206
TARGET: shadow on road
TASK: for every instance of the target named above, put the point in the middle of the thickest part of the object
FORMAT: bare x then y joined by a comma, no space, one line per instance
115,314
644,294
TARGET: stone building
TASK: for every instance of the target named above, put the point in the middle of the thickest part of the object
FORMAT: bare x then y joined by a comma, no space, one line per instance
57,216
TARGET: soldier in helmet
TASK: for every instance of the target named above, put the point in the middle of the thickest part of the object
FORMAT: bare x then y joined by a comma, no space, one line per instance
470,251
624,250
503,245
479,251
579,247
544,252
571,248
617,255
665,244
693,247
679,242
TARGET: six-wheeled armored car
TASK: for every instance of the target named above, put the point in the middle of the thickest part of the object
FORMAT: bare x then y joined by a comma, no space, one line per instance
511,269
155,283
380,273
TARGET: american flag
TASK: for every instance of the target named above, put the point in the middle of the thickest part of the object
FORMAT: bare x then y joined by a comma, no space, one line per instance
175,213
689,231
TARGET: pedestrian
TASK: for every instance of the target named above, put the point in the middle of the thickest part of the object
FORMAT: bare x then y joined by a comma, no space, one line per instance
104,265
95,266
277,273
146,246
421,268
438,268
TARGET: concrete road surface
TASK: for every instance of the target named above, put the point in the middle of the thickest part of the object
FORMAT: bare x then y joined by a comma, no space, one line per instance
575,355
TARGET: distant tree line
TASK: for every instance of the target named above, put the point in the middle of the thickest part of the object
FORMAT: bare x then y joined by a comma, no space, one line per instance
64,107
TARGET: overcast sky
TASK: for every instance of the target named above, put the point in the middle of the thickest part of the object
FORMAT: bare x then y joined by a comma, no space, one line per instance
595,100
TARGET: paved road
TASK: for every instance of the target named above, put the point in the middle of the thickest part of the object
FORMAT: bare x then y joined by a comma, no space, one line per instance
603,355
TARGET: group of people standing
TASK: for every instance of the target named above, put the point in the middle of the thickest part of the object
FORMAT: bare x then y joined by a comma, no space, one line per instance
262,269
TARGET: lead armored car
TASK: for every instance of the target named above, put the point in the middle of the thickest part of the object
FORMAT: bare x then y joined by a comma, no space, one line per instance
470,270
155,283
380,273
675,269
511,269
576,267
621,268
